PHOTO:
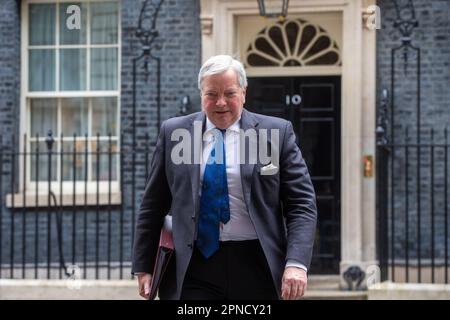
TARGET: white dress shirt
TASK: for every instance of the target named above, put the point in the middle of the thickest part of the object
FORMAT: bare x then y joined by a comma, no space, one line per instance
239,227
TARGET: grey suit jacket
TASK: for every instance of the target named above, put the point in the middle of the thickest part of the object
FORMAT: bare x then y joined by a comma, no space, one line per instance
282,206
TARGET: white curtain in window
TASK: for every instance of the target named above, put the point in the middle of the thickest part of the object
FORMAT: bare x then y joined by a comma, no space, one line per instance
104,116
104,22
104,31
73,69
44,117
41,70
41,61
74,116
41,24
104,69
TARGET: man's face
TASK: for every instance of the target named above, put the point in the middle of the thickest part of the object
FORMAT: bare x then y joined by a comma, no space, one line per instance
222,98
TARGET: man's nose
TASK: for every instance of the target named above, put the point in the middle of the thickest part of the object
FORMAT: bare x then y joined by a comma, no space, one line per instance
221,101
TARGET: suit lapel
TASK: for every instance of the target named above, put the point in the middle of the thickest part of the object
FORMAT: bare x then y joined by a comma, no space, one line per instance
196,132
247,122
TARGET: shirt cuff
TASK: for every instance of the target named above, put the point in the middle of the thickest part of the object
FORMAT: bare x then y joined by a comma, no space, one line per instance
296,264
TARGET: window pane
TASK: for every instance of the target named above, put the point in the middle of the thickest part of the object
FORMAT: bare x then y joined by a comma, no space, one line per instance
104,116
104,22
42,70
43,117
74,116
102,157
74,160
67,20
73,69
40,160
42,24
104,69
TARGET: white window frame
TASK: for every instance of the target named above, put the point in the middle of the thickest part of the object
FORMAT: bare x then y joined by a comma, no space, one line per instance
26,95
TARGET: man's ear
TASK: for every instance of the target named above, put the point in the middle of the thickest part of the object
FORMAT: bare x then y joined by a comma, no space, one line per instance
244,93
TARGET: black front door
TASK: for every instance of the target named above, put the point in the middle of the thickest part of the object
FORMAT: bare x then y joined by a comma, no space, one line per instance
312,104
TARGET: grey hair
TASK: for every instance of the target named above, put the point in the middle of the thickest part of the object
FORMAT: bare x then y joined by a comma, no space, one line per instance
219,64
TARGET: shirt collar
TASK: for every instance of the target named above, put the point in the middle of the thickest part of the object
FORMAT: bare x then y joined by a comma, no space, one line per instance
234,127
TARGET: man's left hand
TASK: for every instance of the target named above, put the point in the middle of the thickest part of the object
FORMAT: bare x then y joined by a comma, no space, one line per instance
294,283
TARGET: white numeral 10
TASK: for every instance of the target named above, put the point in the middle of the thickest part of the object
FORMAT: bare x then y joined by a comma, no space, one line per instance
295,99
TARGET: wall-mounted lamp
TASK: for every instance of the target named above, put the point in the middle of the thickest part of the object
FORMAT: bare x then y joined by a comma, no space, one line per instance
278,8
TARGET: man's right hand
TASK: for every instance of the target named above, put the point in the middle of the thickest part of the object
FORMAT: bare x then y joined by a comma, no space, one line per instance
144,284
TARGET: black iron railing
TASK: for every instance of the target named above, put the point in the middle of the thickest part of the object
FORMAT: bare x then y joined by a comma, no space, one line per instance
65,209
413,206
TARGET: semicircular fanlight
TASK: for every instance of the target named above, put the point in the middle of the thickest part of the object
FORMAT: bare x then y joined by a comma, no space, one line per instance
292,43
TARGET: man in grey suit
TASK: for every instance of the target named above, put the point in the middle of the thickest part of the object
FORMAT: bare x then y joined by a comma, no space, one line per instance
241,229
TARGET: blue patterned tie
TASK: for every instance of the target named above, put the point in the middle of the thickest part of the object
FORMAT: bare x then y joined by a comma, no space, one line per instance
214,201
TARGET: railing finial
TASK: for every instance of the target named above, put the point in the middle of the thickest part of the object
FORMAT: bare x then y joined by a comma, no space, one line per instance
49,140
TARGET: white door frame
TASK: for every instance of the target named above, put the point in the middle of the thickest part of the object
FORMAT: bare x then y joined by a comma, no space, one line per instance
358,222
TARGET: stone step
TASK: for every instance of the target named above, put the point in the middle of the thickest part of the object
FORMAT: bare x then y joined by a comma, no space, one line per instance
326,287
323,282
334,295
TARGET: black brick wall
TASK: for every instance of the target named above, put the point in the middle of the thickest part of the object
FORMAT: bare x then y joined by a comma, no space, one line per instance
9,68
433,38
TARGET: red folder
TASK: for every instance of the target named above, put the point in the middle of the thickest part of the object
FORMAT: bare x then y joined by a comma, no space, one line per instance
165,251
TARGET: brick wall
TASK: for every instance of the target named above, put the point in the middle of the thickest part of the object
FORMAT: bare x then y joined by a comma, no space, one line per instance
432,36
9,68
179,38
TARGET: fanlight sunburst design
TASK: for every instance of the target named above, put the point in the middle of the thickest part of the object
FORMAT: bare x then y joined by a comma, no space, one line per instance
292,43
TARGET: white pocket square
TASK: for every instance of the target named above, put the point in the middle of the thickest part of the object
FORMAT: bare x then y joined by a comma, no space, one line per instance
268,170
